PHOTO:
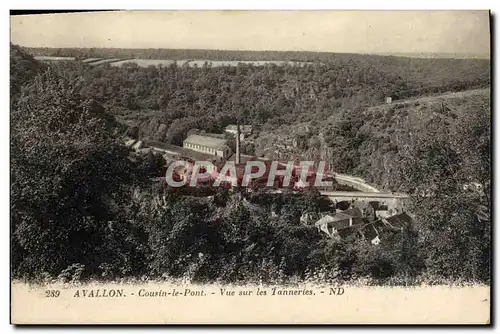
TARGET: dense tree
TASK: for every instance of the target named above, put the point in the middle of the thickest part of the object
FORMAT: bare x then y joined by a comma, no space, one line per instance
69,178
447,168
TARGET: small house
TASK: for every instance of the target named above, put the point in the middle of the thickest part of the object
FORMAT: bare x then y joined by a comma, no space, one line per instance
333,224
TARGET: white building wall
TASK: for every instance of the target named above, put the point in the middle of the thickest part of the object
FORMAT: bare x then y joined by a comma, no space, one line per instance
202,149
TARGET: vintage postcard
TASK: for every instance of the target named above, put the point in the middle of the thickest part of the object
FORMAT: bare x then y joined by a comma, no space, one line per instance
250,167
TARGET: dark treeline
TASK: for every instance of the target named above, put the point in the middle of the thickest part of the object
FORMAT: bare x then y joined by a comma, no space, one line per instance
191,54
179,54
82,208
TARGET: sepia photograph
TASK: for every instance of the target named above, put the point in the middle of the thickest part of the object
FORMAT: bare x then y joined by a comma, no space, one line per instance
251,167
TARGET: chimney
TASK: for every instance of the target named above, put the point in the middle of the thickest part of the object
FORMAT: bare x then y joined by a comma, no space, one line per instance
237,143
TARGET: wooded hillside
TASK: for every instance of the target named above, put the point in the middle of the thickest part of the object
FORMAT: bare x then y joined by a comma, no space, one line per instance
81,209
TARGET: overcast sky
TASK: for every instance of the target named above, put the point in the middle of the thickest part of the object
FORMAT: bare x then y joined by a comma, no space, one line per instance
335,31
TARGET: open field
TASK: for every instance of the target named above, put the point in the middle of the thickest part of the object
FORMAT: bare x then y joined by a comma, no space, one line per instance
90,60
204,304
216,63
166,62
48,58
103,61
147,62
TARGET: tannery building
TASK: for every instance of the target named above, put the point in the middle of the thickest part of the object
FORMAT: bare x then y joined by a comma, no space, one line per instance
209,145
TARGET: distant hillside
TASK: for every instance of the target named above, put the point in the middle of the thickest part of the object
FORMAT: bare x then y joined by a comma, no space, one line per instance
23,67
438,55
226,55
369,142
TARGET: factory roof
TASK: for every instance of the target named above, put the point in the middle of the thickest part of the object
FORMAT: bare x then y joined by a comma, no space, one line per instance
177,150
205,141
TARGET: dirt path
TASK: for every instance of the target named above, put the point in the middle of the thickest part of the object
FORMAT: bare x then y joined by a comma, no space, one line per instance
423,99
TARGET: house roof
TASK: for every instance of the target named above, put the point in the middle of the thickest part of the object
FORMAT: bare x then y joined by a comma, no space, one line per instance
339,216
342,216
205,141
353,212
398,221
215,135
339,221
